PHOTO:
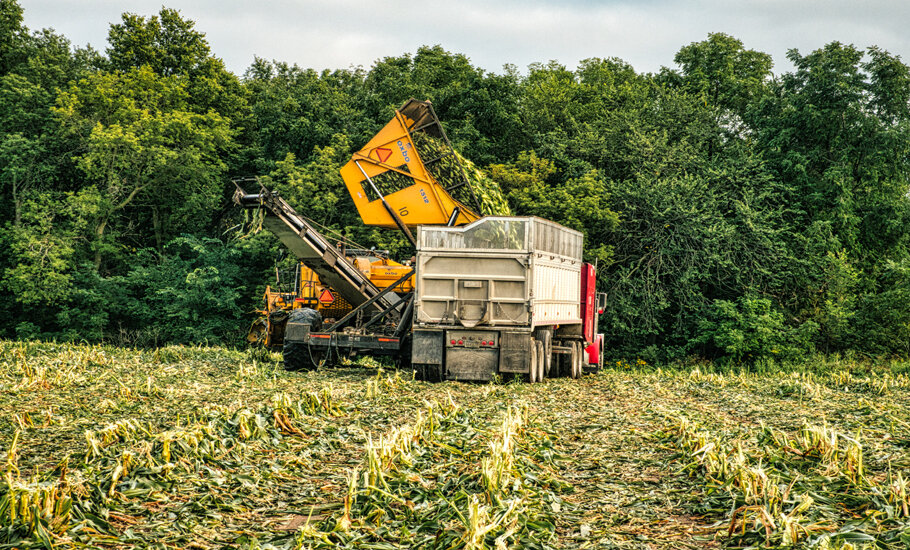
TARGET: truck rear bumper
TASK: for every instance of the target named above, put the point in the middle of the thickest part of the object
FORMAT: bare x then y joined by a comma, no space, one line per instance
462,354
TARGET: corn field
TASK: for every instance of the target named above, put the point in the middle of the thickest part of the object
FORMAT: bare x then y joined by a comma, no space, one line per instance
193,447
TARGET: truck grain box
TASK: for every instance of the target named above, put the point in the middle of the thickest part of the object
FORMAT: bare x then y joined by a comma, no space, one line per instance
495,296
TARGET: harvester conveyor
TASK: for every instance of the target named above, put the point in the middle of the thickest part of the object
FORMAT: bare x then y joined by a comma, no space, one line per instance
311,247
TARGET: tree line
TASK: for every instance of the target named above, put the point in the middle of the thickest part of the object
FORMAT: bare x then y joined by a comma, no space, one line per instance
734,213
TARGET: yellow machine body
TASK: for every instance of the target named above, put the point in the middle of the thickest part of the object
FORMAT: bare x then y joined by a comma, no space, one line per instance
389,179
407,175
383,272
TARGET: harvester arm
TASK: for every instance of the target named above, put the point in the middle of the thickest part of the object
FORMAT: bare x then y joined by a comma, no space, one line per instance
315,251
409,174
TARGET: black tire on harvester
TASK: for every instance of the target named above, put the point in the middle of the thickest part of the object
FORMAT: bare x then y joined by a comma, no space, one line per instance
297,355
277,322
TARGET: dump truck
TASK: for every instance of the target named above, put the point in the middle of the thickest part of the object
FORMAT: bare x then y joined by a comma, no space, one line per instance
501,295
493,296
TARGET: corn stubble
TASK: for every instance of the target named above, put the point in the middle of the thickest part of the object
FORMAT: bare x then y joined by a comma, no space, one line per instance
210,448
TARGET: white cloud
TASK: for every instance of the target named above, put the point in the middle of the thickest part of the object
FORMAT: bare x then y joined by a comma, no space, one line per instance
342,33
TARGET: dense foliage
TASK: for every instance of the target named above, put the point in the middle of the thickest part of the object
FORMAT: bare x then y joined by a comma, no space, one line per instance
733,213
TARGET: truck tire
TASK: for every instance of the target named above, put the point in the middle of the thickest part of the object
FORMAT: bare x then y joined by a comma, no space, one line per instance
573,360
532,362
562,362
545,336
579,360
306,316
541,361
298,355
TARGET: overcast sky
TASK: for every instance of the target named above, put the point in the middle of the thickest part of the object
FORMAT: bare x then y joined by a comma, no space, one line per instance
343,33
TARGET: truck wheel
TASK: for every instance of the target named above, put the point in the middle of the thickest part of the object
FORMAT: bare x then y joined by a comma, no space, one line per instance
573,361
580,360
296,357
428,373
306,316
562,362
545,336
541,361
548,354
532,362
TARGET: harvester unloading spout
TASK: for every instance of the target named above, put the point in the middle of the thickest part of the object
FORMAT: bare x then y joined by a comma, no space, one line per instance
409,175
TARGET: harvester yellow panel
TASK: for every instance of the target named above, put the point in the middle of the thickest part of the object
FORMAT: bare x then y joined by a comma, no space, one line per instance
390,167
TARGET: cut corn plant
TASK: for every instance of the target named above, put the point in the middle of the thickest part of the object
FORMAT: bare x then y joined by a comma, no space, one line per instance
195,447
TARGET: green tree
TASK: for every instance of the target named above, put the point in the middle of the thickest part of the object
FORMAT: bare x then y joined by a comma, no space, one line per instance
835,131
721,70
42,247
828,132
752,329
685,240
11,34
170,46
298,110
22,169
145,151
166,43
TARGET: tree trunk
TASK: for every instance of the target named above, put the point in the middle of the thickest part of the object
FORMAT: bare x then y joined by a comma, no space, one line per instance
99,234
156,224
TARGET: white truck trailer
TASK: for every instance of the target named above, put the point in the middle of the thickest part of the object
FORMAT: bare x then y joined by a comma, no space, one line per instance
501,296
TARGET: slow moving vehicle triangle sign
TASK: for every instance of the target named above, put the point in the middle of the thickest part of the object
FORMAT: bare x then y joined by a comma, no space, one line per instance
382,153
326,297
